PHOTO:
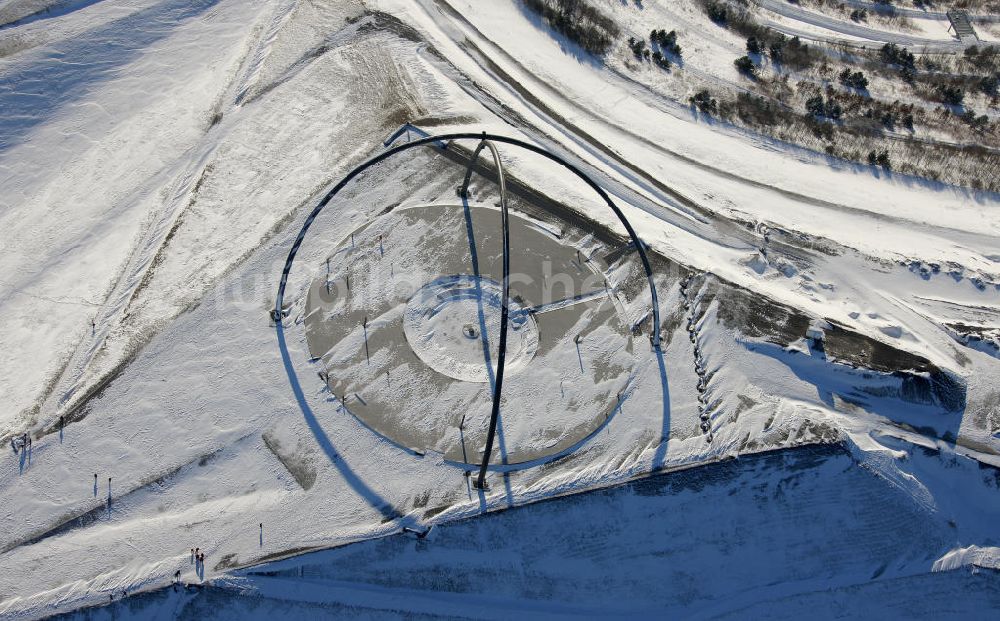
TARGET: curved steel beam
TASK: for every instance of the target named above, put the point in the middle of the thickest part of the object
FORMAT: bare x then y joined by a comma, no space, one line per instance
502,345
487,140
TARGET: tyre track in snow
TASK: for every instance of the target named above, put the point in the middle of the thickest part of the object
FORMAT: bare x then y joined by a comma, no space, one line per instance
674,207
152,241
252,74
713,227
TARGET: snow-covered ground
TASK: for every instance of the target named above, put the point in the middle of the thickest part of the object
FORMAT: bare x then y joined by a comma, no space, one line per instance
824,536
157,160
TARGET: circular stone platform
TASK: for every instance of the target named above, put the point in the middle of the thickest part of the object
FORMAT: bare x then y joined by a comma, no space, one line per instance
448,323
406,327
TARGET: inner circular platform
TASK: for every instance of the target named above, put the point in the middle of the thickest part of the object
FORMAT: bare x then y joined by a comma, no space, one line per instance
406,323
449,321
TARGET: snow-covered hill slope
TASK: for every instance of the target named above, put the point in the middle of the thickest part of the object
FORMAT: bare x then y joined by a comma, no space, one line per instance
157,160
824,536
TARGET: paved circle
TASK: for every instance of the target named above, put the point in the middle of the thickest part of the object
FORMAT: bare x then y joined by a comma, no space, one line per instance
448,323
403,324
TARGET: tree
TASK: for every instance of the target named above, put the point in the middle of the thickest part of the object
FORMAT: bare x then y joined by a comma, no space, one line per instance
975,122
797,54
777,48
879,158
951,94
819,109
745,66
669,43
754,46
717,13
666,40
892,54
853,79
637,47
704,101
989,85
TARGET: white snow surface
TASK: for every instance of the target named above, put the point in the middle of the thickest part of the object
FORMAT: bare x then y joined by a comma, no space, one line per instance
158,158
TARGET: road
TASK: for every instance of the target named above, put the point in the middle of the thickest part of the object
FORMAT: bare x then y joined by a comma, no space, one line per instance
871,38
653,196
874,7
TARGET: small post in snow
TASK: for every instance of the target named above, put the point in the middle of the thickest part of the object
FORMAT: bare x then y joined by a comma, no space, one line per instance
365,326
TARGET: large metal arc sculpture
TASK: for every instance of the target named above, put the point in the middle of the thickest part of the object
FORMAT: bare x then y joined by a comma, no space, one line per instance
485,140
504,309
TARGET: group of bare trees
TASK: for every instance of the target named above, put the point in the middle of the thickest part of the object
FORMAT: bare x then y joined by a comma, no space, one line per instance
580,22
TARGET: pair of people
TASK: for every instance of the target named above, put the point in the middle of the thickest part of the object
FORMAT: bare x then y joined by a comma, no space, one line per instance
20,442
198,555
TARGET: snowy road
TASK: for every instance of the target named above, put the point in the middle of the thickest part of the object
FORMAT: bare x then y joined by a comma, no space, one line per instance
866,37
644,191
914,13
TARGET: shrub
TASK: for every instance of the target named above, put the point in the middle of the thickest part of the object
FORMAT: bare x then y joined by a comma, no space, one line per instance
879,158
745,66
820,109
754,110
892,54
820,130
975,122
951,94
853,79
792,51
989,85
666,40
637,46
983,58
717,13
776,49
704,101
796,54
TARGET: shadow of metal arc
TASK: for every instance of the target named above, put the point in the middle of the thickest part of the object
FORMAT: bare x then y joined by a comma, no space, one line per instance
442,142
